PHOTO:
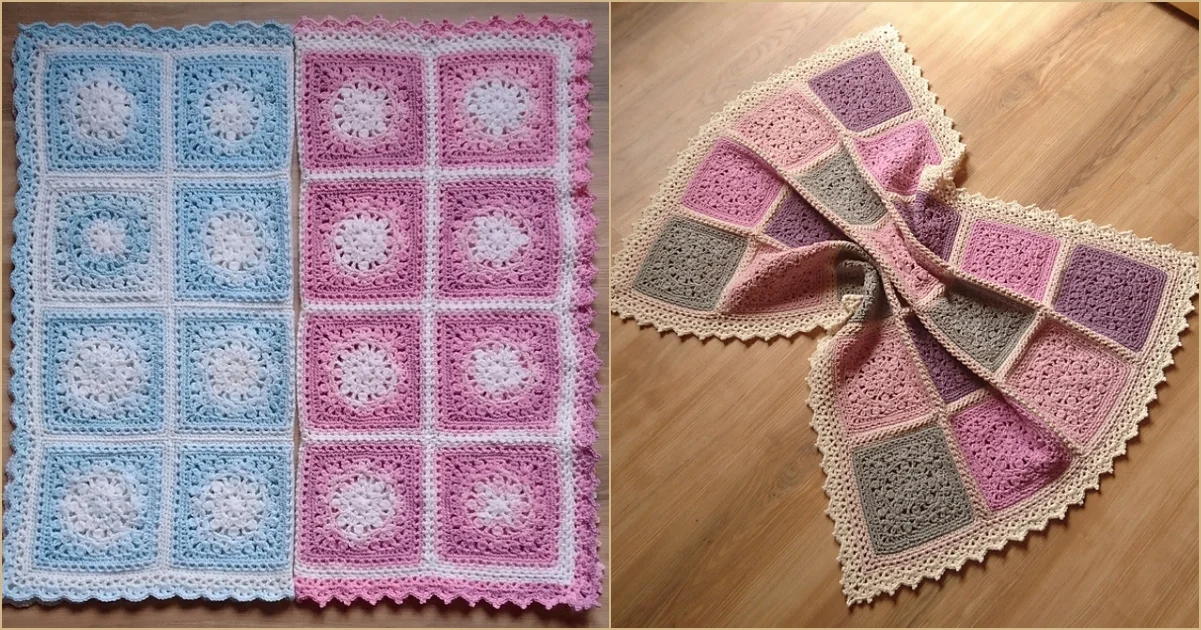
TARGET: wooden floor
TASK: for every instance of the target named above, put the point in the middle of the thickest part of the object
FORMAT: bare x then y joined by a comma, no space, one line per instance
180,613
718,515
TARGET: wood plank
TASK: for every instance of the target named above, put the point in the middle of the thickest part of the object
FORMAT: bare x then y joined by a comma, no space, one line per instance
719,508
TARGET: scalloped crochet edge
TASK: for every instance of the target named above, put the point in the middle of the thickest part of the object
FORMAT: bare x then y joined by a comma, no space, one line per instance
24,50
584,590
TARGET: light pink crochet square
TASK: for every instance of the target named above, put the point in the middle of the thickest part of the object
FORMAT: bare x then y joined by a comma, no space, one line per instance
497,371
1011,256
896,157
877,381
732,184
498,238
363,240
1010,454
498,505
1070,380
361,504
361,372
915,277
788,129
361,109
496,108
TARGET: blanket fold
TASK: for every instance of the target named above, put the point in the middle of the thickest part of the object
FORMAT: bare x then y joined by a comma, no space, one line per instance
987,361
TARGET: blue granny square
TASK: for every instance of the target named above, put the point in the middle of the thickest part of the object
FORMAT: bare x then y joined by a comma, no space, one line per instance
106,242
233,507
103,374
103,111
233,241
235,372
232,112
99,508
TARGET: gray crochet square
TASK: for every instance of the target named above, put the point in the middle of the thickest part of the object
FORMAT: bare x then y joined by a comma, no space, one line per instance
910,490
986,326
689,264
838,184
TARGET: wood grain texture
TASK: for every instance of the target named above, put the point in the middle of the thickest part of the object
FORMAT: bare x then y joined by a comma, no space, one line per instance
719,514
180,613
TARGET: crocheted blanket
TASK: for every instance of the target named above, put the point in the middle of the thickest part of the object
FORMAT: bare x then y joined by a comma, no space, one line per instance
988,360
447,365
152,343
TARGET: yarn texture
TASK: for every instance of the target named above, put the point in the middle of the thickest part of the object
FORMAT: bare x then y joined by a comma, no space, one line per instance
986,361
153,337
446,361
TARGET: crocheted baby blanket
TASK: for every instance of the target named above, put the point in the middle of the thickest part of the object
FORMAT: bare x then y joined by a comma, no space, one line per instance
152,344
447,365
988,360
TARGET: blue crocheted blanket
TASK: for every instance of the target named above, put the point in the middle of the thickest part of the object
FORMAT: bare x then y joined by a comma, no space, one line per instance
153,353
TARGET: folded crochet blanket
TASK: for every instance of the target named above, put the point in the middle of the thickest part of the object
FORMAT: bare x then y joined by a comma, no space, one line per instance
988,360
152,342
447,363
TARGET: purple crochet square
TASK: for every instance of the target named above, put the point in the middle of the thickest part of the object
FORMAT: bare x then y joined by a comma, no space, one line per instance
933,223
797,223
862,92
1111,294
952,379
732,184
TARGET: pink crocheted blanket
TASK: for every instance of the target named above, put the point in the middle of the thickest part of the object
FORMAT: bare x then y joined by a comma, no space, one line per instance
447,365
988,360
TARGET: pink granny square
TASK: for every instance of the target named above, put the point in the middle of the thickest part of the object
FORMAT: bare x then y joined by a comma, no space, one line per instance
1009,453
1011,256
732,184
877,381
498,505
361,504
363,240
361,372
361,109
496,108
498,238
497,370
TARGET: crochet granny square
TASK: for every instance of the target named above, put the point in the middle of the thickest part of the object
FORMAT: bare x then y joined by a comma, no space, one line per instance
153,336
447,365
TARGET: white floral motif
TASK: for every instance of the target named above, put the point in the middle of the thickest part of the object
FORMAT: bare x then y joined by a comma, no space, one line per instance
499,504
234,242
362,242
498,105
231,505
100,506
364,373
362,109
102,372
496,239
363,505
103,109
499,369
231,111
236,371
106,237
